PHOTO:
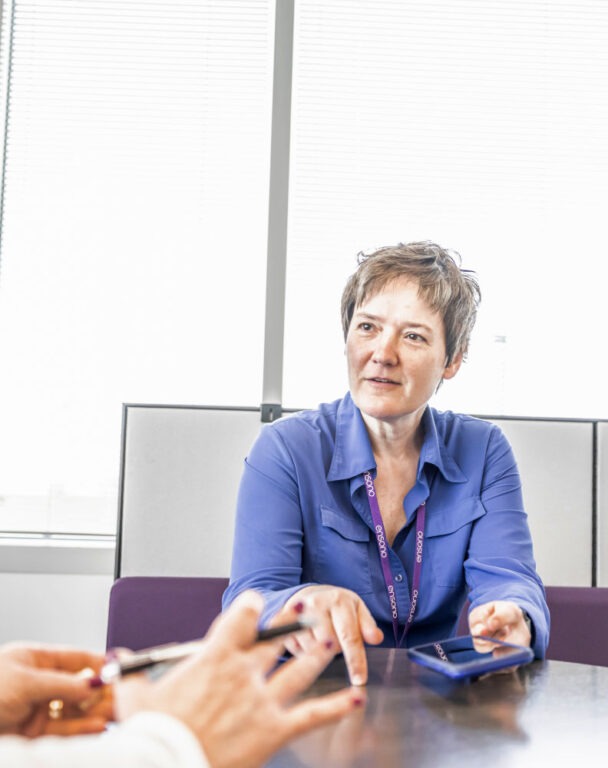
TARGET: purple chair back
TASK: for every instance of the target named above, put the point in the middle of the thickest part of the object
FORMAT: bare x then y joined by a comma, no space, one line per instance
579,624
153,610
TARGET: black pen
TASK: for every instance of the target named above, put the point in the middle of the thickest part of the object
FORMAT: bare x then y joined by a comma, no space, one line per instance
283,629
162,654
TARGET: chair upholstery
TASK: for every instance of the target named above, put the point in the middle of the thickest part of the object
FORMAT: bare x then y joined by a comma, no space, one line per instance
152,610
579,624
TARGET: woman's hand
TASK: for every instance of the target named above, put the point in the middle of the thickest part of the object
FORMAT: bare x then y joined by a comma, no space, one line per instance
227,694
502,620
340,616
31,676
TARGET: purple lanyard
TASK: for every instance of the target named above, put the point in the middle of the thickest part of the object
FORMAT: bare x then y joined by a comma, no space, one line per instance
387,572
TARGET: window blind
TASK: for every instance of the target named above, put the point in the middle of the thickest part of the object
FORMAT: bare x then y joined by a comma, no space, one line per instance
481,125
133,234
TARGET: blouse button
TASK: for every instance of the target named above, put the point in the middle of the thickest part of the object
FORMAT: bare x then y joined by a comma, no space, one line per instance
399,577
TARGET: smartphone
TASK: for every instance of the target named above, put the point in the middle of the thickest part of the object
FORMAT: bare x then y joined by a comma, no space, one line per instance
457,657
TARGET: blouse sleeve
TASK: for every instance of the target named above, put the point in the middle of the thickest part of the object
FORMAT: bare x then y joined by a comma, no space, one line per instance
500,563
269,536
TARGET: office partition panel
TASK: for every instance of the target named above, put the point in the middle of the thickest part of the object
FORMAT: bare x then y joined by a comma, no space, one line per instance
555,460
181,467
180,475
602,504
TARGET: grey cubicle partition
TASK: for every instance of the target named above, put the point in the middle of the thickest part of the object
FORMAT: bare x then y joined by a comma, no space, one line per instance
602,504
181,468
556,461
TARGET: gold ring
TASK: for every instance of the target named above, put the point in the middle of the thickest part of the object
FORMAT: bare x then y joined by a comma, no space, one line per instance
55,709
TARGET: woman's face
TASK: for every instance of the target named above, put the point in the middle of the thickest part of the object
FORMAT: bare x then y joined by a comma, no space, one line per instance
396,353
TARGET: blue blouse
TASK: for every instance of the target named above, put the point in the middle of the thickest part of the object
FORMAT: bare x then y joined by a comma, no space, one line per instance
303,518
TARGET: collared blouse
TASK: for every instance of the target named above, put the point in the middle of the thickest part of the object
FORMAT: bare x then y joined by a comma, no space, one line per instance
303,518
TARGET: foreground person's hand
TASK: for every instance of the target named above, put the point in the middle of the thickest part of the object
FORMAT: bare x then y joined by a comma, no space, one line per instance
228,695
32,676
341,616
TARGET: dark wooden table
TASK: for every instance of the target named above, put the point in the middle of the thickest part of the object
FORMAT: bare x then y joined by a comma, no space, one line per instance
549,713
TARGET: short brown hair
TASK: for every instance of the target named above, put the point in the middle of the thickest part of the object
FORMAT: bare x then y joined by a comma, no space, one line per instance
449,290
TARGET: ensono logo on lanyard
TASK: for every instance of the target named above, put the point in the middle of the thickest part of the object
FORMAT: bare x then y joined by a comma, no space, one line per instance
387,572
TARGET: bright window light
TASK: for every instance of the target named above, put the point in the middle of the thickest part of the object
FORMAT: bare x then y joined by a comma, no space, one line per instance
481,125
134,235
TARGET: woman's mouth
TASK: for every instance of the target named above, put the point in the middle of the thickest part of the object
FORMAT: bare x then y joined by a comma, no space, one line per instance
382,381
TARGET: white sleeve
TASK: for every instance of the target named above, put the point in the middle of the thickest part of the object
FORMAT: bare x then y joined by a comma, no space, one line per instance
146,740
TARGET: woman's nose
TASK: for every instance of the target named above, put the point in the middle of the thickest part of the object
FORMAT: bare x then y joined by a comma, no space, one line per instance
385,351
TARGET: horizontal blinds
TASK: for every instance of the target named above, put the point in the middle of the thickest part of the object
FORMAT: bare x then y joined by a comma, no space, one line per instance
480,124
134,233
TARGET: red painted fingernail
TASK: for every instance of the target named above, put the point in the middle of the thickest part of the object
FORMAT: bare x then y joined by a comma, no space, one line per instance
357,701
299,607
329,644
95,682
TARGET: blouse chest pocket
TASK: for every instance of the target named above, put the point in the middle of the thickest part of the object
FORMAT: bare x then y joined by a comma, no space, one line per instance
342,556
447,536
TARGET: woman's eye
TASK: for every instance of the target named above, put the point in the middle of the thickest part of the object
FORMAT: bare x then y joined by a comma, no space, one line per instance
365,326
414,336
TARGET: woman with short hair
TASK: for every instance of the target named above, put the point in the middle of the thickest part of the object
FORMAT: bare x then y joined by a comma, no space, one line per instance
379,512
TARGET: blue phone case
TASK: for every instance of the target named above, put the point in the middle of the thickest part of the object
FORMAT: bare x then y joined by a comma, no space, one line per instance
457,658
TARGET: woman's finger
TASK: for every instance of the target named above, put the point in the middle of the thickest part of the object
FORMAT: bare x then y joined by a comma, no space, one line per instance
298,674
348,631
66,659
76,726
369,629
313,713
237,626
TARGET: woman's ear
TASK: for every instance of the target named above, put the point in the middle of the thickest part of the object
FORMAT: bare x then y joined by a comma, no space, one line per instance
452,369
